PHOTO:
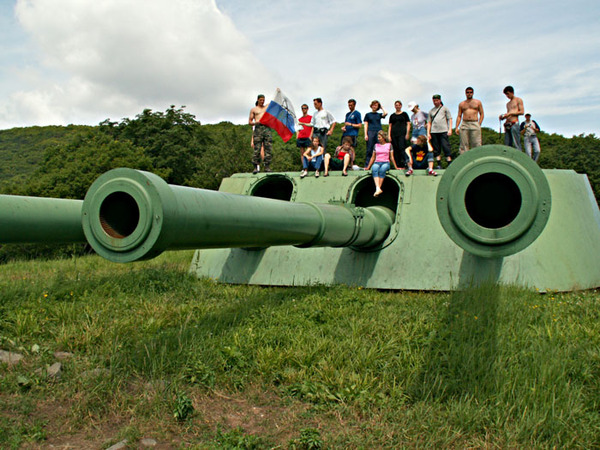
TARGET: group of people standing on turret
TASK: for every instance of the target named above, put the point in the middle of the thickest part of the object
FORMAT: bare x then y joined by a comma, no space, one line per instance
410,142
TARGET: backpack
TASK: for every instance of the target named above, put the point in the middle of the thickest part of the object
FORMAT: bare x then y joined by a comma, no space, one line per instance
536,125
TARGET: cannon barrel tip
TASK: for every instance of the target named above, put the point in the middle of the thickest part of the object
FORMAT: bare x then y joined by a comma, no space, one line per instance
493,201
123,214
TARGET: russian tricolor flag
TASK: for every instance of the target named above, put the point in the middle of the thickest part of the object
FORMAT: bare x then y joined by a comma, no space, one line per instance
280,116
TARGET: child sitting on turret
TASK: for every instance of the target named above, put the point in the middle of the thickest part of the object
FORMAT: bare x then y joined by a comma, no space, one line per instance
342,158
420,156
312,158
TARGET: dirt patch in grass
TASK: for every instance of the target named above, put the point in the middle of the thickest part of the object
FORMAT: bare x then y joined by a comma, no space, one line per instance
255,412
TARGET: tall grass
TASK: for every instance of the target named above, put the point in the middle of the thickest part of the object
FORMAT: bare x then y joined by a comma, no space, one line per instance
487,366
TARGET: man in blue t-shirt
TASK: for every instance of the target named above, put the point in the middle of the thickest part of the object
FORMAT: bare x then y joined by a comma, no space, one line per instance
352,123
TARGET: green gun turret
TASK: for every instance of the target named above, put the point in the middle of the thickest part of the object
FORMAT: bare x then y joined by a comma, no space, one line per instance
492,215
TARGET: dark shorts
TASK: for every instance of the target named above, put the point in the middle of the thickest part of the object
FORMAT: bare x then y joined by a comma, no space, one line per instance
303,143
336,164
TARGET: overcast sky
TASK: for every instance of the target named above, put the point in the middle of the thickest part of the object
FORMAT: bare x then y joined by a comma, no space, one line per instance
76,61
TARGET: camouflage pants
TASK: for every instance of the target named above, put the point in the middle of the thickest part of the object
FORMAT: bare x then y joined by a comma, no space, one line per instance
262,136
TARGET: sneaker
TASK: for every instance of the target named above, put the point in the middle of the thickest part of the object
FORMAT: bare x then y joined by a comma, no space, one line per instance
408,173
432,172
303,173
256,170
316,174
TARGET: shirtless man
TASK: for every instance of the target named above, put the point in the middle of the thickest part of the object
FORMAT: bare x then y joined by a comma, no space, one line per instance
514,109
470,112
261,136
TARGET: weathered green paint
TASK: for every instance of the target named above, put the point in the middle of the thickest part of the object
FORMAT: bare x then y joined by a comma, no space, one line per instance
541,230
40,220
560,250
494,202
130,215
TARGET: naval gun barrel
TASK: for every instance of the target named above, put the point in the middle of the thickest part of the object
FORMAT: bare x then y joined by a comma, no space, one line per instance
40,220
130,215
493,201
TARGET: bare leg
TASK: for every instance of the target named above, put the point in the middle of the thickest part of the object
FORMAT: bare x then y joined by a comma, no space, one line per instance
377,186
346,162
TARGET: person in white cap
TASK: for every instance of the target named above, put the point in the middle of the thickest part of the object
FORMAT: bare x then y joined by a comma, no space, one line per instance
418,121
529,131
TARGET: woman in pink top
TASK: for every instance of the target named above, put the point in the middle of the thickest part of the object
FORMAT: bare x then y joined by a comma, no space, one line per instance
380,161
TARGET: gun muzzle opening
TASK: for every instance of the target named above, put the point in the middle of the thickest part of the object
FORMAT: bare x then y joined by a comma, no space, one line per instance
493,200
119,215
122,215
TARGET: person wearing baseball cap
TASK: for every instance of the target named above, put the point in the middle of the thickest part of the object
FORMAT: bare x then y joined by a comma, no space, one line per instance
439,128
418,119
529,130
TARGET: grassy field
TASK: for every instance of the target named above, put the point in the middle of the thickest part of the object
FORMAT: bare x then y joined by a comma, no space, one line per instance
156,353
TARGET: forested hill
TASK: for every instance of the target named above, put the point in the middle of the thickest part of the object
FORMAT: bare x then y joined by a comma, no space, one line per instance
22,149
63,161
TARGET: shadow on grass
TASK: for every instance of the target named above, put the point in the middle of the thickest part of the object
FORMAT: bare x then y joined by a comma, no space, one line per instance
202,338
462,356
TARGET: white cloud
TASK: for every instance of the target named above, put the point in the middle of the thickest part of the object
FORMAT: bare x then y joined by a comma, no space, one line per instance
383,85
113,58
